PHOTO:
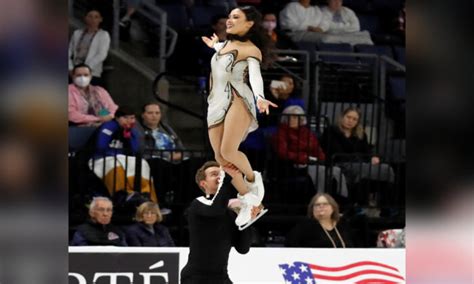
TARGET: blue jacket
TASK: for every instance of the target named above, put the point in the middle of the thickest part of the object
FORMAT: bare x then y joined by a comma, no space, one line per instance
138,235
111,141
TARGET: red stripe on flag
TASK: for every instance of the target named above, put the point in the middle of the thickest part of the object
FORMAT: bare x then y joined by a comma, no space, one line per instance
355,274
375,281
361,263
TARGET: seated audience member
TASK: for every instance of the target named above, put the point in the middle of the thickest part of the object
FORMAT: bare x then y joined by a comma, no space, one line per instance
88,105
90,46
323,228
158,135
98,231
347,137
164,152
304,23
287,95
344,25
148,232
284,95
294,142
279,39
113,161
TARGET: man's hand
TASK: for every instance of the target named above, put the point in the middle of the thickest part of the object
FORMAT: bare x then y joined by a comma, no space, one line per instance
231,170
256,210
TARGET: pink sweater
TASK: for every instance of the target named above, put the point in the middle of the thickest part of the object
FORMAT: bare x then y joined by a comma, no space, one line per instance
77,106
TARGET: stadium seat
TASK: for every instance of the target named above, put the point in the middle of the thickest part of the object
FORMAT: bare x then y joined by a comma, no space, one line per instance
373,49
336,47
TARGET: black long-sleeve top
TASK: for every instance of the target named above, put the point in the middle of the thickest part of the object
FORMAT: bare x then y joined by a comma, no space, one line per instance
333,141
212,233
309,233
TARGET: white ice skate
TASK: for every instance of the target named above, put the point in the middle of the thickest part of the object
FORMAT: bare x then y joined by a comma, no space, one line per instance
256,187
248,201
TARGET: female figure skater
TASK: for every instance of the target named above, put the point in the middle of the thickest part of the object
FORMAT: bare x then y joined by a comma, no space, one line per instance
232,111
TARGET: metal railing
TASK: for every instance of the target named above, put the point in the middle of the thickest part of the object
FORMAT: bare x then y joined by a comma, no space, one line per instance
294,63
167,37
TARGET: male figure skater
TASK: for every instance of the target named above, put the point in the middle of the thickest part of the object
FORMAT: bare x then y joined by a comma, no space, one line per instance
212,230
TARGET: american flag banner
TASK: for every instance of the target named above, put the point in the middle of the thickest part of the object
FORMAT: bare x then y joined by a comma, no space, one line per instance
362,272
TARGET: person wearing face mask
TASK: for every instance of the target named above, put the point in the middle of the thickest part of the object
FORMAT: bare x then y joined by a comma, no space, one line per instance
90,46
88,105
279,39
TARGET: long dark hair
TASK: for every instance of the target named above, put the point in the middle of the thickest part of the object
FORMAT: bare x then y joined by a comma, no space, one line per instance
256,34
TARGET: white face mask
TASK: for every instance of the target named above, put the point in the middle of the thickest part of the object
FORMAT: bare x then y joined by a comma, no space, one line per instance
269,25
82,81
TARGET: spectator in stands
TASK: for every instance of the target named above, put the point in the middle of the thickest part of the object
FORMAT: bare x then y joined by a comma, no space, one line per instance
148,232
158,135
344,26
296,143
346,144
90,46
88,105
323,228
212,232
285,93
164,152
219,27
117,141
303,22
280,40
98,231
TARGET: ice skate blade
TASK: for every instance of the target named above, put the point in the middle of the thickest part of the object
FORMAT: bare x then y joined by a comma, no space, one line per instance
243,227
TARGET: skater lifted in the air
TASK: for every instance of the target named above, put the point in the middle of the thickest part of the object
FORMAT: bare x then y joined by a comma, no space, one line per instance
232,103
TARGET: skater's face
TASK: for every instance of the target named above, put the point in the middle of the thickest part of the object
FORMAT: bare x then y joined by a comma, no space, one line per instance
102,212
237,23
149,217
152,116
322,209
350,120
212,179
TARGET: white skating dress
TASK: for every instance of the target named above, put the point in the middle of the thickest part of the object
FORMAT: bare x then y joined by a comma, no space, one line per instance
228,76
